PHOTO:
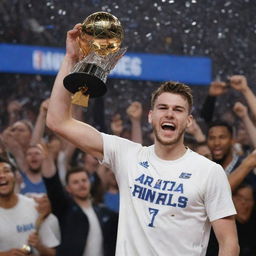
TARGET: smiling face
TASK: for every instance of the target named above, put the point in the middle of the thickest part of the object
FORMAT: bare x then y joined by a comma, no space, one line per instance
220,143
7,180
169,118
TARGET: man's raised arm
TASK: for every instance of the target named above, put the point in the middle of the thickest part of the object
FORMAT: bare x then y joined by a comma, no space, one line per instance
59,117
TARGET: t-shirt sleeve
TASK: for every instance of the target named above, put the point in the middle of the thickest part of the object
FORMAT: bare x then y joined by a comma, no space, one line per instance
109,150
116,151
49,232
218,198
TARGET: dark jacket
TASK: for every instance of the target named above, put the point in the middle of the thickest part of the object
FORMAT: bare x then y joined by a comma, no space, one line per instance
74,223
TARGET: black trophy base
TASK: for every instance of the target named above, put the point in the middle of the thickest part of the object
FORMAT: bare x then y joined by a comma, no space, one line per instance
77,80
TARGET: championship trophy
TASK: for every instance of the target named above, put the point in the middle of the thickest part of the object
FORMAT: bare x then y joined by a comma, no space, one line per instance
99,42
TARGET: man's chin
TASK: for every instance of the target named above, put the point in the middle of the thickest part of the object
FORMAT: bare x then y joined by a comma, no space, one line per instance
82,197
167,141
218,160
35,169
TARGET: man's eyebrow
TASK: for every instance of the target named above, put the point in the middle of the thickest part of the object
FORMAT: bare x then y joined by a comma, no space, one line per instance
178,106
161,104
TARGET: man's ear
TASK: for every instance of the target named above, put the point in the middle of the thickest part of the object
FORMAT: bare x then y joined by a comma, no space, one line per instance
190,120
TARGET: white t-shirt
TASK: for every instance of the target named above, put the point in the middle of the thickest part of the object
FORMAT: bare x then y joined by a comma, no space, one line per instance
94,242
165,206
18,222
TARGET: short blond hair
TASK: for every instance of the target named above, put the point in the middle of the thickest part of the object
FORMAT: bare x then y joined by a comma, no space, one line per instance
175,88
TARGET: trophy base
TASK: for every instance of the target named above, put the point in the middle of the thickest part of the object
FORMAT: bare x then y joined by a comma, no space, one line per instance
74,81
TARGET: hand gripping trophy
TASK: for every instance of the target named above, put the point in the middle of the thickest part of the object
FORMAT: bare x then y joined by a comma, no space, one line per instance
99,42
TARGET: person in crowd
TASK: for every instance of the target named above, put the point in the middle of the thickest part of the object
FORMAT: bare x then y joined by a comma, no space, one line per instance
22,226
240,84
238,168
86,228
220,141
16,139
111,191
244,201
196,131
32,180
162,189
242,112
91,165
218,88
134,112
203,149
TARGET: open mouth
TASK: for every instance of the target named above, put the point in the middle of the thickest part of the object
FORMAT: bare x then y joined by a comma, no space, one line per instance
168,127
217,151
3,183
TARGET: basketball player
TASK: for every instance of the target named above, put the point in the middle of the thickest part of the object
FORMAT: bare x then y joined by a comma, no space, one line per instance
170,196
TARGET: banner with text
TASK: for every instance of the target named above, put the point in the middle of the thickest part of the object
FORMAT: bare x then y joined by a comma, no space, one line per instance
139,66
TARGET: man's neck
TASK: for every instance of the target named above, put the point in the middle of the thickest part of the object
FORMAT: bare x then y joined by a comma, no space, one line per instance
228,159
83,203
171,152
9,201
34,177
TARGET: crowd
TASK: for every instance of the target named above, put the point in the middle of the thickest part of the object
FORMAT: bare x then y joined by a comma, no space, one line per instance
56,199
81,193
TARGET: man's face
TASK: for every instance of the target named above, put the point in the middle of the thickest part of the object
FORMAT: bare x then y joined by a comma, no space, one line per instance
169,118
244,202
7,180
220,142
34,158
79,185
21,133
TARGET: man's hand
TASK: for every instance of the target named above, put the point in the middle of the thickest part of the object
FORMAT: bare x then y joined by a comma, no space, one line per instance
240,110
34,240
43,205
72,46
134,111
239,83
250,161
217,88
195,130
44,106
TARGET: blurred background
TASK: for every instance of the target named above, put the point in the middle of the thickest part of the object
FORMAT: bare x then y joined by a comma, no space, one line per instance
223,31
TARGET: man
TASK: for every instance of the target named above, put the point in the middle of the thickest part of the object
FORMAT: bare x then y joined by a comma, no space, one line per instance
220,142
86,229
169,195
18,220
245,219
33,184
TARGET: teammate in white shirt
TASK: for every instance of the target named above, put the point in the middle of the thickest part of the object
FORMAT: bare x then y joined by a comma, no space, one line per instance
18,221
169,195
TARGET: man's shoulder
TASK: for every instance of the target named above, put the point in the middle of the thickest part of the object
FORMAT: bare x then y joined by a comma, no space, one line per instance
103,210
26,200
123,143
194,156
